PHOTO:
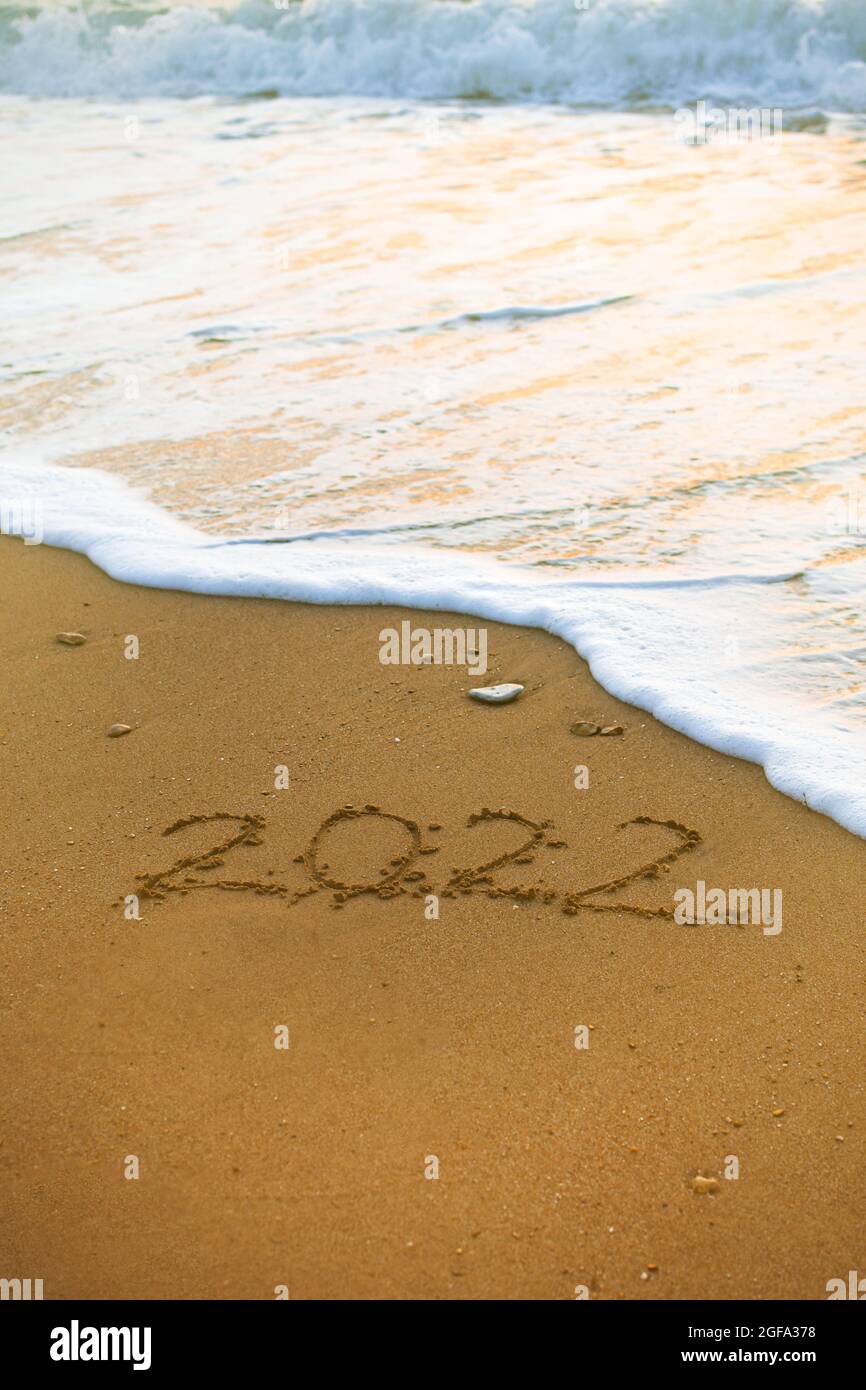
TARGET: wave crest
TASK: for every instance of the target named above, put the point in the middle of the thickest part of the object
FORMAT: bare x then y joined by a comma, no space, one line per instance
797,54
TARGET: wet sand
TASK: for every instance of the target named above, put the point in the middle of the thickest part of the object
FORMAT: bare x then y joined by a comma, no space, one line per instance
411,1038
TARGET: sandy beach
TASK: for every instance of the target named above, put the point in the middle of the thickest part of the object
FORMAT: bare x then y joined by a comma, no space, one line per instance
434,1127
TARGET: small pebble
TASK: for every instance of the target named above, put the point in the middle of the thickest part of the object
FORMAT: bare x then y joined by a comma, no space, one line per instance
703,1185
496,694
613,729
71,639
584,730
777,1113
117,730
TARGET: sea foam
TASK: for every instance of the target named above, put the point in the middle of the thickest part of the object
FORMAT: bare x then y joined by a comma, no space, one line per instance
801,54
639,633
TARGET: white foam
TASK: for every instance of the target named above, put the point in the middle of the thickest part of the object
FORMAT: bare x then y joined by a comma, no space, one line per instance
640,634
805,53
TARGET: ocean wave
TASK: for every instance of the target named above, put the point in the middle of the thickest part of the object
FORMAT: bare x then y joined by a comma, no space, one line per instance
794,54
639,634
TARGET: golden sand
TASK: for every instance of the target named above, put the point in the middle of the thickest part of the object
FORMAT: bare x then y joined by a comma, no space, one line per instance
540,1091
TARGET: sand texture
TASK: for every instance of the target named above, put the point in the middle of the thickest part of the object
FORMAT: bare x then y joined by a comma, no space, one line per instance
431,1130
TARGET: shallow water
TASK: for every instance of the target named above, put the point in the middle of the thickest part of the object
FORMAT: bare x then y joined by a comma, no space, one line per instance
525,358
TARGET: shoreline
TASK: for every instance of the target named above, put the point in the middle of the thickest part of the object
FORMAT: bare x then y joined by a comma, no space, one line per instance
645,639
409,1037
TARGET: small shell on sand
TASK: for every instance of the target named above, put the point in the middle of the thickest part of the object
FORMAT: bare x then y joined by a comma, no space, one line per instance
496,694
71,639
117,729
703,1185
613,729
583,729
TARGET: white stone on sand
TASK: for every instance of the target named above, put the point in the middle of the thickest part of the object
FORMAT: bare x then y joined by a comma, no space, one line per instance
496,694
